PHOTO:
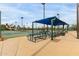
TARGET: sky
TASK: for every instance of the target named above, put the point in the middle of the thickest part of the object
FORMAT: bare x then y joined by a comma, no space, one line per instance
12,12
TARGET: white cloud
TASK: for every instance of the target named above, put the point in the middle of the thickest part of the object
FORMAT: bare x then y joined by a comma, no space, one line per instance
11,14
66,14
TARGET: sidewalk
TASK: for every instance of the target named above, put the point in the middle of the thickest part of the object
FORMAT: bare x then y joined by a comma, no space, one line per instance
20,46
67,46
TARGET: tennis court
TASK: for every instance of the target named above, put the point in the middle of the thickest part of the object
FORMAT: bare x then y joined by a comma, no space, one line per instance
12,34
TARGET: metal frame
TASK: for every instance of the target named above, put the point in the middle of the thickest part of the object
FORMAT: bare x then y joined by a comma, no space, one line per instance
52,29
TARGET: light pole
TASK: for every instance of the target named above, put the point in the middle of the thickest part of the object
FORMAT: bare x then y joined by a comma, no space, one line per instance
43,11
58,16
0,26
27,24
77,20
1,39
22,21
15,25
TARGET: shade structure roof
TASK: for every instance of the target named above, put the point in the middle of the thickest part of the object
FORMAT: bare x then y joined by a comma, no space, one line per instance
47,21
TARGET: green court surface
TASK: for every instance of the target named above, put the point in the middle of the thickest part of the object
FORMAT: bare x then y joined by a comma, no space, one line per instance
12,34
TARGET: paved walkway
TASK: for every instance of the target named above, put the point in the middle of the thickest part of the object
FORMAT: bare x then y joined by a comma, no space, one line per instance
66,46
20,46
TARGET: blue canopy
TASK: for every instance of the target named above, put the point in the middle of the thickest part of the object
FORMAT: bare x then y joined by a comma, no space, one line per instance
47,21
